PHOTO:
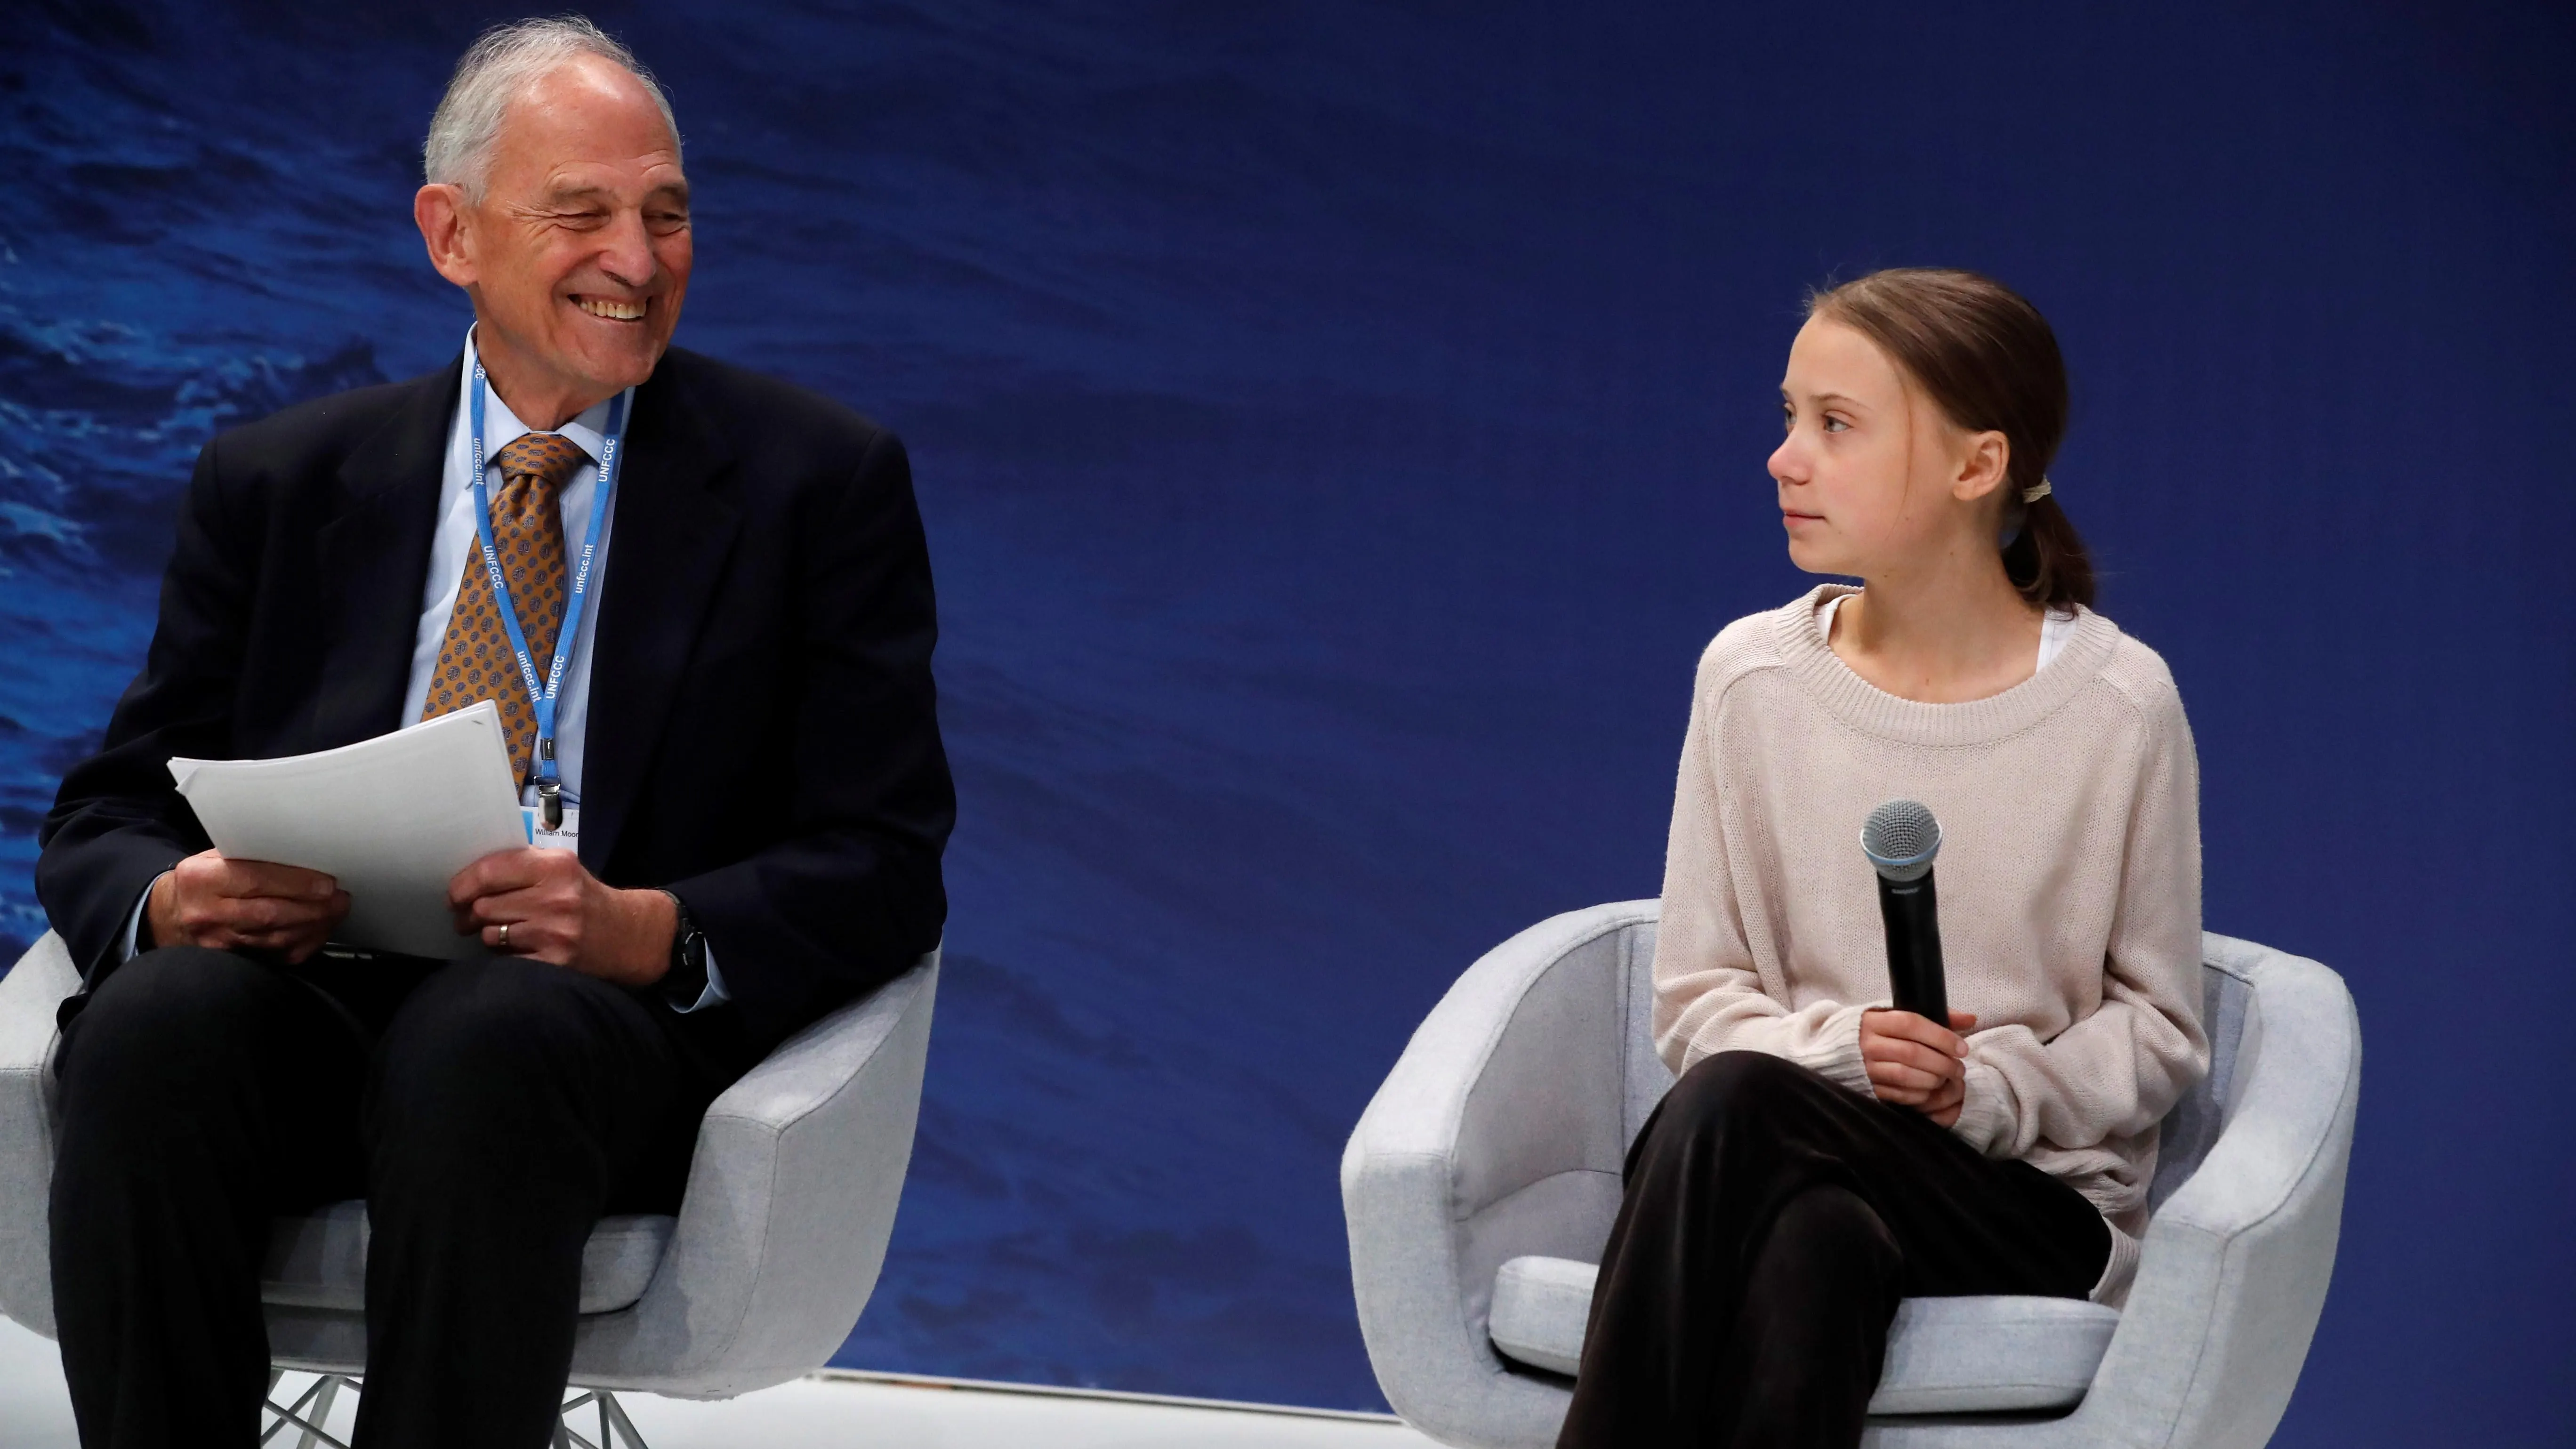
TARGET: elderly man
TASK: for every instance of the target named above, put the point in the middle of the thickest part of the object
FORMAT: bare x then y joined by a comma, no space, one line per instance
741,746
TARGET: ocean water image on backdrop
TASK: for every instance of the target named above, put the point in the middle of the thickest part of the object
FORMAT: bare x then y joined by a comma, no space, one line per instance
1339,428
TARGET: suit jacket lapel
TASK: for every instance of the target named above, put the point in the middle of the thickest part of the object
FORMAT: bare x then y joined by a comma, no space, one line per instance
675,522
375,562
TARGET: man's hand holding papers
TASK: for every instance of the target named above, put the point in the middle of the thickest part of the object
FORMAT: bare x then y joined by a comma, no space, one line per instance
390,818
209,900
389,821
544,905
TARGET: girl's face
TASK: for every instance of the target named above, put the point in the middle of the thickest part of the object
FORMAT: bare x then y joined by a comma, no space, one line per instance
1872,478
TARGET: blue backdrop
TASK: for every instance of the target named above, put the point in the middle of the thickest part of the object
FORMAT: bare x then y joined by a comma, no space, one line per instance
1340,426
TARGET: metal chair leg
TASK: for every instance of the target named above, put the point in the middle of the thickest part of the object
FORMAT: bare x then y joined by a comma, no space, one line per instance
311,1413
330,1392
616,1431
614,1413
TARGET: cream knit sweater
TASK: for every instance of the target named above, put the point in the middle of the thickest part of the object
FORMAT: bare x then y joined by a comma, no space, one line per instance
2069,878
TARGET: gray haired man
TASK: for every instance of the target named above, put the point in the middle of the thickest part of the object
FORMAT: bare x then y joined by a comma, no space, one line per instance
726,741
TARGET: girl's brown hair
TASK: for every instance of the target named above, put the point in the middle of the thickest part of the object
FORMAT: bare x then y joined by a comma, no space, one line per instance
1991,362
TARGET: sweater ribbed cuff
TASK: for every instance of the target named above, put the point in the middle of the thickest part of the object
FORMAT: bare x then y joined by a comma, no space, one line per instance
1982,1123
1834,1054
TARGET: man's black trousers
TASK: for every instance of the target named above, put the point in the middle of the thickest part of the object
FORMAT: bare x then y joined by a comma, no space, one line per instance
1772,1220
489,1111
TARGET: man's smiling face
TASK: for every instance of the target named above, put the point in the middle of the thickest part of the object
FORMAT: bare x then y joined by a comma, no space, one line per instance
577,254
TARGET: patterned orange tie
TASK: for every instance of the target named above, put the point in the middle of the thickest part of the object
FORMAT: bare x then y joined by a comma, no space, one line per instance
475,662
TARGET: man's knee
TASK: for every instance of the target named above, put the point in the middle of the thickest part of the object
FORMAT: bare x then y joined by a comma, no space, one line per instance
170,1016
496,1036
504,1071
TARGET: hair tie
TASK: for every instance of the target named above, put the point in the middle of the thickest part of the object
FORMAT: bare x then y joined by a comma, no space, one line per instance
2037,491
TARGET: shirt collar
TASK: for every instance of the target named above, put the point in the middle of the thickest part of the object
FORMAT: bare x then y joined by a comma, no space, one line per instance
588,431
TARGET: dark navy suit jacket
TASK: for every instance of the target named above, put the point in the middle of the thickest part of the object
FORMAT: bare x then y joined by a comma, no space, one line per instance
762,737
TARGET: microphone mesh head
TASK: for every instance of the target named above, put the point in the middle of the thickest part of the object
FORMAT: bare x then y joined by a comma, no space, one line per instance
1900,839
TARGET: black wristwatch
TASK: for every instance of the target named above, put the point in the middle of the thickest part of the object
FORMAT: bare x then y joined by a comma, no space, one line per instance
686,981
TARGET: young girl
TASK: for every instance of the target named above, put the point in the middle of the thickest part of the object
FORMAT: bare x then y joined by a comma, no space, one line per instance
1822,1155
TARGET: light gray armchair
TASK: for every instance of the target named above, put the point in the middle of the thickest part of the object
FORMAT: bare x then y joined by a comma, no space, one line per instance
1481,1182
790,1200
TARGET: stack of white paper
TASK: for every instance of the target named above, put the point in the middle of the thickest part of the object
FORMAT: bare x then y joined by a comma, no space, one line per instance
393,819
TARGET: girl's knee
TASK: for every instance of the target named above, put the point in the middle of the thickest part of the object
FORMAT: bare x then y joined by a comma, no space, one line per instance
1728,1082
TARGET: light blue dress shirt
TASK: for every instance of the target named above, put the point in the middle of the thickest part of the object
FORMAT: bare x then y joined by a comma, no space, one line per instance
454,543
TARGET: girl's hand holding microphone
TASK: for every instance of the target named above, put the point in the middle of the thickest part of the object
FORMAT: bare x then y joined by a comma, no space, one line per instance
1915,1063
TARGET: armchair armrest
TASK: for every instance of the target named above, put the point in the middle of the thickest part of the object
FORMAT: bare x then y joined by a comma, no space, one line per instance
791,1199
1474,1150
28,996
2235,1265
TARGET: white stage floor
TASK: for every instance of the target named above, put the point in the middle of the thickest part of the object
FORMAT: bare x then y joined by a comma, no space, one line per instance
832,1413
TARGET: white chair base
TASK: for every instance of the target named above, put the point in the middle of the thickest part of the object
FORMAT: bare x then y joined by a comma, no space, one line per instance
303,1422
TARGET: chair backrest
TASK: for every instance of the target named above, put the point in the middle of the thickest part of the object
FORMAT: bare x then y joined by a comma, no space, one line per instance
2192,1127
1647,1076
2185,1137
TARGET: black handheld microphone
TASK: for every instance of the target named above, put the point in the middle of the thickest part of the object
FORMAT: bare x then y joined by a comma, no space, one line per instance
1900,839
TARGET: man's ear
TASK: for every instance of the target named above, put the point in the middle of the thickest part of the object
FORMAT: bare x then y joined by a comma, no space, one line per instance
1985,466
444,226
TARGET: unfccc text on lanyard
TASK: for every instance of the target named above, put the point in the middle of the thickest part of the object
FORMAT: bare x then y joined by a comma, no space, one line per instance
542,692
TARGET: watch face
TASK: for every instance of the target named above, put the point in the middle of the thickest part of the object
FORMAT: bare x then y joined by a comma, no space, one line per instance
686,981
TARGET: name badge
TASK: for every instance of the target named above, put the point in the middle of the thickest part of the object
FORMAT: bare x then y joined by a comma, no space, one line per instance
568,838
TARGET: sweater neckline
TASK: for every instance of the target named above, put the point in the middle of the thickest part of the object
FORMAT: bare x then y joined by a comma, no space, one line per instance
1866,707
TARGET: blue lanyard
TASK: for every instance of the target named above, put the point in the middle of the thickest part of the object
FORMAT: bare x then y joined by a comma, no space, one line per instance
542,694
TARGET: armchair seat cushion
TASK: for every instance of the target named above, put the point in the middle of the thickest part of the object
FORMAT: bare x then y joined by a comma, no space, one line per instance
1944,1355
319,1260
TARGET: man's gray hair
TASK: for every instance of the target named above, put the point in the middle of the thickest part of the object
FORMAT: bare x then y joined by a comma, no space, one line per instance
503,62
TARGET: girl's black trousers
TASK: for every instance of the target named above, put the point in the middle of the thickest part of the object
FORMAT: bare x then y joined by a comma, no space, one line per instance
1772,1220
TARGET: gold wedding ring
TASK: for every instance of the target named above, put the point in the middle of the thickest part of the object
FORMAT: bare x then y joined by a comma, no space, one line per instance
505,935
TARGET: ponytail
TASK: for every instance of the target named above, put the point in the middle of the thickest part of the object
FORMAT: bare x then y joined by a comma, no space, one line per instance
2046,558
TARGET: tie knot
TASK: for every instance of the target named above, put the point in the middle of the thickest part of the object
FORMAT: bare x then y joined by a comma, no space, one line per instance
543,460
